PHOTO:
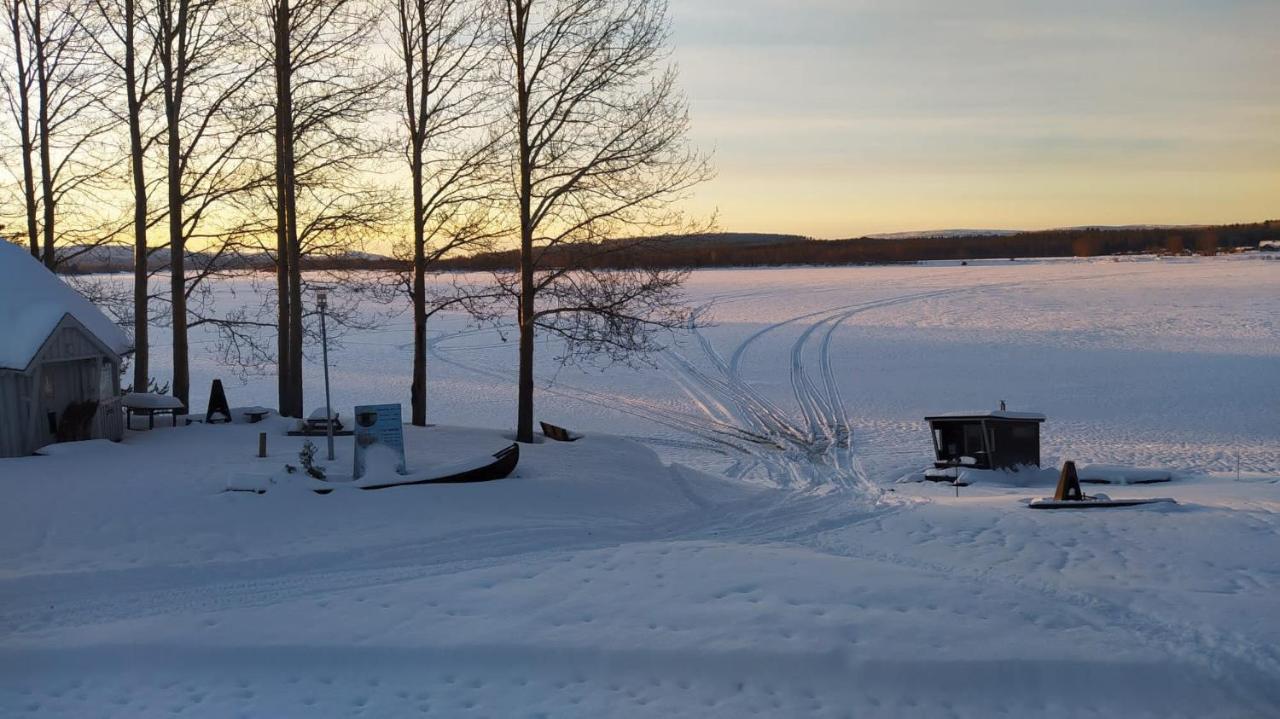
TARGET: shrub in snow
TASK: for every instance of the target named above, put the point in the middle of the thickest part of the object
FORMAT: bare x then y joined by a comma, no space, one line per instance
307,457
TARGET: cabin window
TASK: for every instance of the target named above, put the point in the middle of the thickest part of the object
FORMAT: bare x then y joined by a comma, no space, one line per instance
46,385
973,444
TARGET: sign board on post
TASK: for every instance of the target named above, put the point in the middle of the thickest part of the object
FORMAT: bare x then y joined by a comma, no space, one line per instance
378,433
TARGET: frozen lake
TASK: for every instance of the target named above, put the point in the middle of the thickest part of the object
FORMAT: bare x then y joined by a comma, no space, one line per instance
1135,361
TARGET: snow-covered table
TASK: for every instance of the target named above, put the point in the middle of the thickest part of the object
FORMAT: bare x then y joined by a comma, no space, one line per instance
151,404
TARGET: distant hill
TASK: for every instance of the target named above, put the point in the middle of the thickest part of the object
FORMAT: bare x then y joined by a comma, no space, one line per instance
926,234
79,259
741,239
931,234
728,250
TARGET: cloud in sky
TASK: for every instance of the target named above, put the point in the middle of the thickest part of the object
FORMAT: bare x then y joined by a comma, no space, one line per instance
839,117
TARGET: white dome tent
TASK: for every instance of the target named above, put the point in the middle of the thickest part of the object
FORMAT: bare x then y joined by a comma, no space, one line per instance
59,360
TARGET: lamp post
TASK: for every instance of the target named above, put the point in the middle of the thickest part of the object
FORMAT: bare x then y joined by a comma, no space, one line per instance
322,299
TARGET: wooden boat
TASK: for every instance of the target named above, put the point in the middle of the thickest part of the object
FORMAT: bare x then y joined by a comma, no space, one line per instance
500,467
503,464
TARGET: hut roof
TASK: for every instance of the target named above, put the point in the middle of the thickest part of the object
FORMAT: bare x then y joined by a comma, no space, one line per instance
989,414
33,301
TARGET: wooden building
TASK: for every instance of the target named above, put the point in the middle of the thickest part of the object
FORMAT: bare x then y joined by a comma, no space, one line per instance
59,360
986,440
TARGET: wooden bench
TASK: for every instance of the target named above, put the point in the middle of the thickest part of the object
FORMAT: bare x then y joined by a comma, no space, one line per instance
559,434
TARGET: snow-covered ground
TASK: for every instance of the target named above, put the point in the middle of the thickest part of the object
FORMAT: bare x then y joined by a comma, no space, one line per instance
728,540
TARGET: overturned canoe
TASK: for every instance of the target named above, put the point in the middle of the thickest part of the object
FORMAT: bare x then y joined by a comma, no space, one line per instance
499,465
503,464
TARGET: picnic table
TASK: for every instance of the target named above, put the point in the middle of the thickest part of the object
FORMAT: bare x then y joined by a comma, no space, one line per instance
151,404
255,413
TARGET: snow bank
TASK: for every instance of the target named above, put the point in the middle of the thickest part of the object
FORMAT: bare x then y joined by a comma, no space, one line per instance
1026,476
1117,474
33,301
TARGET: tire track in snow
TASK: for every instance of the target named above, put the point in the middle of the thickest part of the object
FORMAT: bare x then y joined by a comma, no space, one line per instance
824,440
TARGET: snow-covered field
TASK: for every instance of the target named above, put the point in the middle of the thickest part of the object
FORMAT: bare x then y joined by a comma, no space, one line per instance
728,540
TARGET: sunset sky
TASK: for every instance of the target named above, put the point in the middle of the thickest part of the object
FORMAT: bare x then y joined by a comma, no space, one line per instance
836,118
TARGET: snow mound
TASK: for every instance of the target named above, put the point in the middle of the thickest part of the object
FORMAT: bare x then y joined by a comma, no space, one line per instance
1117,474
1025,476
71,449
33,301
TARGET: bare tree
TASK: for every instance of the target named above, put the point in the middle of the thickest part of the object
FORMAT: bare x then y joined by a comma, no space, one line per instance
600,154
285,206
130,57
54,91
210,121
451,151
325,94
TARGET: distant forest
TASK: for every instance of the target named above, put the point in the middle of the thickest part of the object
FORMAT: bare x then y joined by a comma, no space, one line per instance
759,250
752,250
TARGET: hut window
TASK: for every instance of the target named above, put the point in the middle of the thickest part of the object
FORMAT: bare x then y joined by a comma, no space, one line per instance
973,445
46,385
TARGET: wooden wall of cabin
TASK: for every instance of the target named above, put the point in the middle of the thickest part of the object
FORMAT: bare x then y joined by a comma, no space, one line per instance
72,367
15,413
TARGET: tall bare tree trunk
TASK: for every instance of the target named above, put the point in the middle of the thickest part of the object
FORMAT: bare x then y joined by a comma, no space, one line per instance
417,126
284,315
295,296
283,384
418,393
141,320
46,163
524,413
446,110
177,274
289,273
175,66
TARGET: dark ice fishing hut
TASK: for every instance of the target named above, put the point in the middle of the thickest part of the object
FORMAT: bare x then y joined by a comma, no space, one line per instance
998,439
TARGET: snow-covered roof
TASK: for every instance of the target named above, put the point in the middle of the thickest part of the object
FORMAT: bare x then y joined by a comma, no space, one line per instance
988,414
33,301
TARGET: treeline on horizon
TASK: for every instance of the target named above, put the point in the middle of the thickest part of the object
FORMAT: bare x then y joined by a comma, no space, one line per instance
762,250
725,250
